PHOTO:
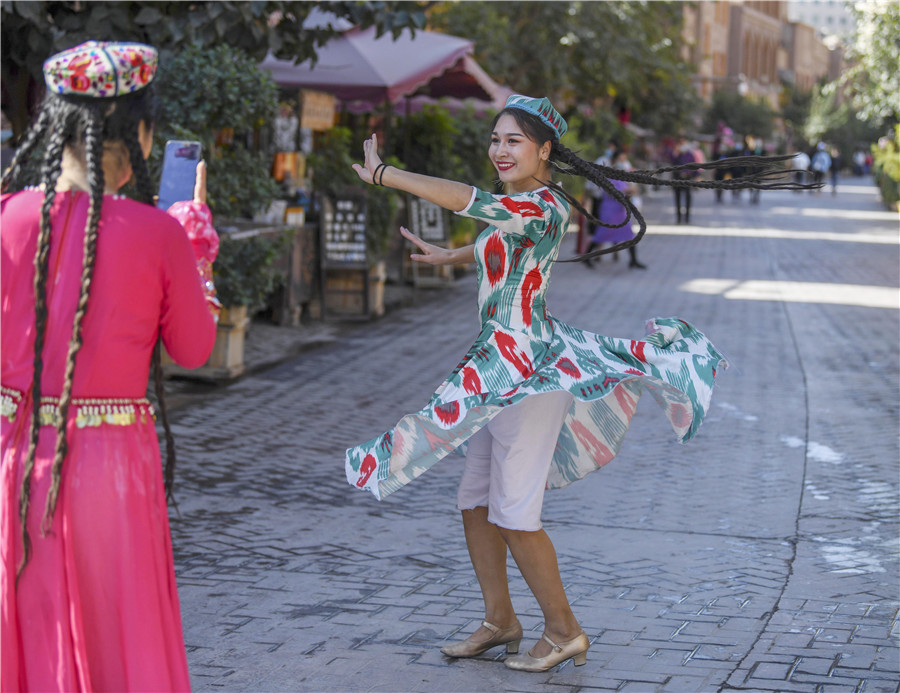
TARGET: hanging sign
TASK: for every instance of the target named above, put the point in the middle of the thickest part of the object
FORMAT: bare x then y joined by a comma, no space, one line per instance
428,220
317,110
344,231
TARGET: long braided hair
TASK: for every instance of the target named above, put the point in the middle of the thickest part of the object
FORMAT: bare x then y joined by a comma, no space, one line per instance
764,173
87,127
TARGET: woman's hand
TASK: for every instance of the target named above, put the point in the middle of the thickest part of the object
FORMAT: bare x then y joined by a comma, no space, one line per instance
200,183
372,160
431,254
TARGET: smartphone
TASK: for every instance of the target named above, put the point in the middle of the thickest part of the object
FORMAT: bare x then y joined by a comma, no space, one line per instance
179,173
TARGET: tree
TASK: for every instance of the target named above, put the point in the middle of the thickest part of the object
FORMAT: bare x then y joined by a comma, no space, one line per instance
205,92
743,115
873,80
837,124
32,31
581,53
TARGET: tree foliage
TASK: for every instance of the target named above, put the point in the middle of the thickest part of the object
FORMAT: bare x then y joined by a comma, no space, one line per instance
835,122
873,81
32,31
607,54
743,115
795,105
205,91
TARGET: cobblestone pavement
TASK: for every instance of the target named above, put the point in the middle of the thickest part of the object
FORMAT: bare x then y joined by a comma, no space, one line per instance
761,556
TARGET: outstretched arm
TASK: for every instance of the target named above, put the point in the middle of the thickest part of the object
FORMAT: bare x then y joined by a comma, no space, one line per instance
445,193
435,254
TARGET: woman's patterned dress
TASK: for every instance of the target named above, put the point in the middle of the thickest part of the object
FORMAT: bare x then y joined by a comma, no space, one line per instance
523,351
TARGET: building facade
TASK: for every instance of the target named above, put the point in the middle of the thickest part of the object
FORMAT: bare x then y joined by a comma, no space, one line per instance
754,47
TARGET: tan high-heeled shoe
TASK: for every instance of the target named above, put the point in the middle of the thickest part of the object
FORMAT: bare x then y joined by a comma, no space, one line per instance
575,649
511,637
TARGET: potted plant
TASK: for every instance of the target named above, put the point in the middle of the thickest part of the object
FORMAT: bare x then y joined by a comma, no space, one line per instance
219,97
245,275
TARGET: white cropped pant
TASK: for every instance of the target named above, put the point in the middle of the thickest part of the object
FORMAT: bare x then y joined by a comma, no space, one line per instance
508,461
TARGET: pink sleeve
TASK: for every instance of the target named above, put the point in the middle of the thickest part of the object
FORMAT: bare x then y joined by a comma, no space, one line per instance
196,219
187,327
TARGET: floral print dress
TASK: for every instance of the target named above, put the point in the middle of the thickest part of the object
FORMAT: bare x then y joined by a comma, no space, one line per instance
523,351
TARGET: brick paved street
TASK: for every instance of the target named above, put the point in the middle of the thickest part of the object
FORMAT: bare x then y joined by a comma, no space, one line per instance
761,556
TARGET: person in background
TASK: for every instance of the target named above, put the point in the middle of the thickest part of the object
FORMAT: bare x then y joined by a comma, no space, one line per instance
723,144
800,167
835,169
753,146
820,164
683,154
859,162
615,226
91,283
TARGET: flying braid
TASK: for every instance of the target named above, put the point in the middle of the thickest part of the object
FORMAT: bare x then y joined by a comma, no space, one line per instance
767,176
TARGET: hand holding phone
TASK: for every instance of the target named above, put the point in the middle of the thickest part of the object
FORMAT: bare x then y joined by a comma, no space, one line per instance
179,180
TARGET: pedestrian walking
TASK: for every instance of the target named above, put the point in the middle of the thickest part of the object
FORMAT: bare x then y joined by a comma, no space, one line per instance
537,403
800,167
723,144
90,280
835,169
820,164
859,162
683,154
615,226
753,146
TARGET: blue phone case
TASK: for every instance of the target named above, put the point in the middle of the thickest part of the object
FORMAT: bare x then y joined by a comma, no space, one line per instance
179,172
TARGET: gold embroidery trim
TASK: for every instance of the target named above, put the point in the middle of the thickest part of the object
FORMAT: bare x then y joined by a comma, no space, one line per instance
88,412
9,402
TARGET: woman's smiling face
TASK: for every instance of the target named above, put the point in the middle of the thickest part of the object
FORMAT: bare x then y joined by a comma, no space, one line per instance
518,159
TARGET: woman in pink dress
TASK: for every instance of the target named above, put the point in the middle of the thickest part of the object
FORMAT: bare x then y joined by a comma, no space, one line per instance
91,281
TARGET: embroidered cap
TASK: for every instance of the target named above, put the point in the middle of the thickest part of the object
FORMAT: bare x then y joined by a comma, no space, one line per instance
101,69
543,109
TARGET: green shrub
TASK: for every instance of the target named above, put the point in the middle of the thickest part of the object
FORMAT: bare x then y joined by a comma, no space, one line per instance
886,168
245,273
205,92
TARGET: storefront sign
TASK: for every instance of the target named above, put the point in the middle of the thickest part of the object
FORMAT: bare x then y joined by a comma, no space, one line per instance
344,231
428,220
317,110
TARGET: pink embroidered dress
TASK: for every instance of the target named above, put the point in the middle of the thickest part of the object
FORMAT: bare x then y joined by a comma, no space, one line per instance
96,608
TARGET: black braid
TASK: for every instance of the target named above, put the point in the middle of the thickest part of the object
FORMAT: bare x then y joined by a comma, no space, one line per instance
93,140
32,138
142,179
765,176
50,172
71,122
145,192
566,160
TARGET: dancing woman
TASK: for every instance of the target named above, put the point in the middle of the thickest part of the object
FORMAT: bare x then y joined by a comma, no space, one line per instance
90,281
537,403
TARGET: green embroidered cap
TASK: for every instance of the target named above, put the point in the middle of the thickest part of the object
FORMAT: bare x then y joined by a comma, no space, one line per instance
543,109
